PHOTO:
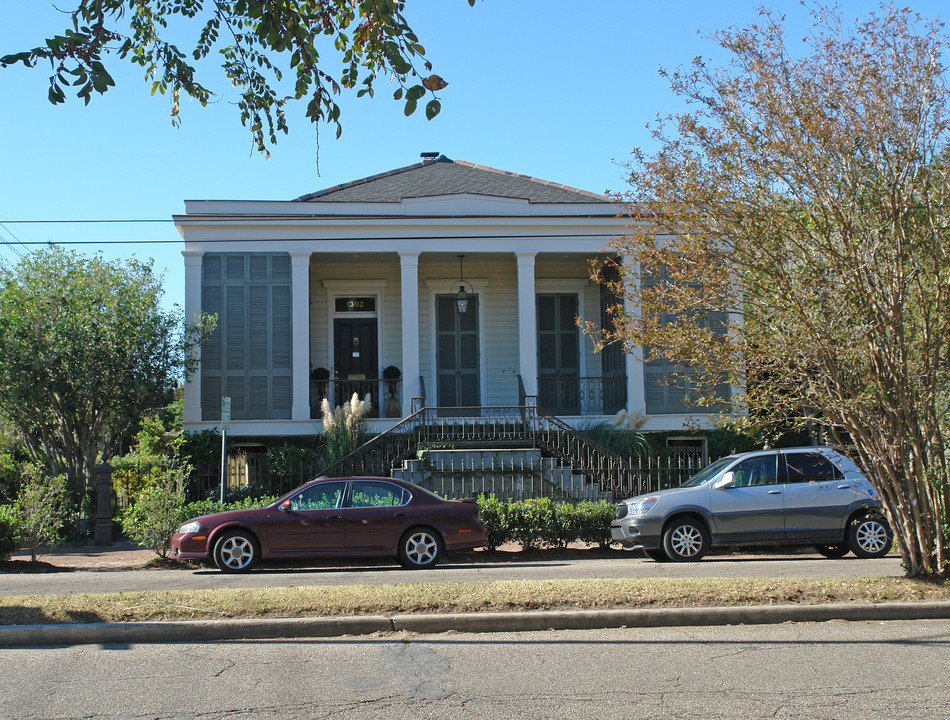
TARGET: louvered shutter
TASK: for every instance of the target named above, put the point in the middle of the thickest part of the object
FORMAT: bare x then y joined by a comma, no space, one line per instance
249,355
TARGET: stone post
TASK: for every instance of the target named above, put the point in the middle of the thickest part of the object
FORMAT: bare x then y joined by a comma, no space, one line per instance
102,534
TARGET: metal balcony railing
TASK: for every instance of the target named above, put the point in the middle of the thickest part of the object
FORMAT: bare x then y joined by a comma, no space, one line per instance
565,395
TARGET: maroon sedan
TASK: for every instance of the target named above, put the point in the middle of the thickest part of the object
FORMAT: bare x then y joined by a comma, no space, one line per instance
352,517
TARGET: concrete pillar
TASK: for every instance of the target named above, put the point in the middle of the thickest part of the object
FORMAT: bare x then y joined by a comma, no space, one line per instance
409,288
300,333
527,323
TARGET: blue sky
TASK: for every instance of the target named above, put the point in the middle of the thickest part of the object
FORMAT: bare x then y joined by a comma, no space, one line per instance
556,89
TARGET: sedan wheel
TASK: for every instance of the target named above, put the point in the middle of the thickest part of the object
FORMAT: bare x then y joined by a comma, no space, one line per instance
870,537
420,548
235,552
685,540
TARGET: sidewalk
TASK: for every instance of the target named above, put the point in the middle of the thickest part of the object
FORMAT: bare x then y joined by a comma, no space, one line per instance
118,556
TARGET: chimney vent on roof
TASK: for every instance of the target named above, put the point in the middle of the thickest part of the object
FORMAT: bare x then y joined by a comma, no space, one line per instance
428,157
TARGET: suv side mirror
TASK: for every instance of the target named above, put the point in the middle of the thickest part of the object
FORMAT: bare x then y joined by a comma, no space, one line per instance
725,481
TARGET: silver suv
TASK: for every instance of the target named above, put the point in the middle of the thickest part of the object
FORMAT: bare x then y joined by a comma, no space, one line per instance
793,496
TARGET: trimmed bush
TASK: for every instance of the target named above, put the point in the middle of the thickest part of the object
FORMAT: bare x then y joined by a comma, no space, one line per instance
493,514
209,507
593,522
541,522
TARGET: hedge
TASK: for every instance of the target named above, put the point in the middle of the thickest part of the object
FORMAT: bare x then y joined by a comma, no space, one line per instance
541,522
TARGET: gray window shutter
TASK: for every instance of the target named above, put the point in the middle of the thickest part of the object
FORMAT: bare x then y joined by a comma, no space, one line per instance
249,355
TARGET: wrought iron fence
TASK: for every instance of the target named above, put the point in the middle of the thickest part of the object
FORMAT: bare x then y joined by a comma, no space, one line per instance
488,447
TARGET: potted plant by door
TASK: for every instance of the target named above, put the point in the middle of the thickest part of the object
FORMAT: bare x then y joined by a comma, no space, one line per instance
319,377
392,374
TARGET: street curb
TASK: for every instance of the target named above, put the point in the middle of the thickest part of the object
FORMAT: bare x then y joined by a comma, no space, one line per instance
283,628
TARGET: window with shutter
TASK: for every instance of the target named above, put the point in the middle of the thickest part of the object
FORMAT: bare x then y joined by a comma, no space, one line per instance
558,353
667,386
248,356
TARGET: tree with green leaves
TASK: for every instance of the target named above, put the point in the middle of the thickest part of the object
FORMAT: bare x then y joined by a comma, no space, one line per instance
86,349
805,193
257,43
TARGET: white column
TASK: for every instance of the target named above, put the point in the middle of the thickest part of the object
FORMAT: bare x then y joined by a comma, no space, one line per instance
636,393
409,286
192,410
300,334
527,324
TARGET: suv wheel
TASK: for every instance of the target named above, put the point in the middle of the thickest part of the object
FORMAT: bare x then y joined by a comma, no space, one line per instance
685,539
870,537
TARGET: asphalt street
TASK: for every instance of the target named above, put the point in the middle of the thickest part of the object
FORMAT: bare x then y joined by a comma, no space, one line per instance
832,670
623,566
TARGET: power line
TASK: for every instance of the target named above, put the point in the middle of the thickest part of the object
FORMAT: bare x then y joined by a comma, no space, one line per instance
61,222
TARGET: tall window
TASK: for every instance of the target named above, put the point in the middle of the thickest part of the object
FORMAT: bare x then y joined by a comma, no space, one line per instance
248,356
668,387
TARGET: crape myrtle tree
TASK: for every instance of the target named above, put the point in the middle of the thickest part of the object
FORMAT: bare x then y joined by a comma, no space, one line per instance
804,191
85,350
322,46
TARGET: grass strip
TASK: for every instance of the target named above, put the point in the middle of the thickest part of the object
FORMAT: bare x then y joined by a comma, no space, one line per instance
500,596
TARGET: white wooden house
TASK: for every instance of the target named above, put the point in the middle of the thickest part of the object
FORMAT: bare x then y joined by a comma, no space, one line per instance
317,296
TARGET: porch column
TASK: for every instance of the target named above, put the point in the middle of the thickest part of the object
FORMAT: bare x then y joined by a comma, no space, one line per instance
636,393
409,286
192,410
527,323
300,334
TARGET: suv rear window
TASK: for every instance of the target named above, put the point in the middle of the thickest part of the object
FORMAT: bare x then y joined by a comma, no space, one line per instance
811,467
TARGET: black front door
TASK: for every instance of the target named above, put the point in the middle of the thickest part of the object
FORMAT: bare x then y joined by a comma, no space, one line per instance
457,353
356,359
558,354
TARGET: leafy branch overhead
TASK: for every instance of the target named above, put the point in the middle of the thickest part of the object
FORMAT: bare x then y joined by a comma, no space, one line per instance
259,42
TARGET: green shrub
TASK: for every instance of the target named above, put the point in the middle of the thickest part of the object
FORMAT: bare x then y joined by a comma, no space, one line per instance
200,508
541,522
493,514
592,522
8,532
154,517
41,507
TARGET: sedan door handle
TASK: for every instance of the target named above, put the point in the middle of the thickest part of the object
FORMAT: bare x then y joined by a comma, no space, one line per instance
334,517
775,492
844,487
400,514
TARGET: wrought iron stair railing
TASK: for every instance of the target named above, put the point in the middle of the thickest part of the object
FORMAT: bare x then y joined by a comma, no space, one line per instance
490,427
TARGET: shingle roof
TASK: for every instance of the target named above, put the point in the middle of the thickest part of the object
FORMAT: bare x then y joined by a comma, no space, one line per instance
443,176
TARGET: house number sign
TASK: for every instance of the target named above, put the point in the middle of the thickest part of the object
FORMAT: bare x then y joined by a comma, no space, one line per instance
356,304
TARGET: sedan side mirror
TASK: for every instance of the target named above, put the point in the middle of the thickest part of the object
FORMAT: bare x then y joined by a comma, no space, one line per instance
725,481
284,506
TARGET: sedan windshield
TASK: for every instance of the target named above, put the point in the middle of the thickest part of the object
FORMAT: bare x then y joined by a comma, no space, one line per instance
708,472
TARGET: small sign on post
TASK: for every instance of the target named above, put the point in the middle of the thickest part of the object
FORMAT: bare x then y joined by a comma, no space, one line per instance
225,424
